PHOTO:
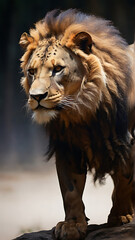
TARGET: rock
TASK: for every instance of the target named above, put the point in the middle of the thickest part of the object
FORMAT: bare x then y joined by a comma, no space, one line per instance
94,232
102,232
41,235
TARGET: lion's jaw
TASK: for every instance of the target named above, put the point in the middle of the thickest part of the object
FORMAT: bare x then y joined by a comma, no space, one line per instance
43,116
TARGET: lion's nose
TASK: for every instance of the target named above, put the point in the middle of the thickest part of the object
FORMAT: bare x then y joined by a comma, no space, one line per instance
39,97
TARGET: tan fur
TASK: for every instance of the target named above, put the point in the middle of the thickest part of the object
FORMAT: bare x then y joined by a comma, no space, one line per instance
79,78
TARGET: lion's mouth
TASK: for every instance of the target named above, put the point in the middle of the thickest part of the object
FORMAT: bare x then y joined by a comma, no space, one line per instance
47,105
39,107
56,108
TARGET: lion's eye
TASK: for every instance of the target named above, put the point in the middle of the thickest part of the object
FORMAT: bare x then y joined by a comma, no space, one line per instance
31,71
57,68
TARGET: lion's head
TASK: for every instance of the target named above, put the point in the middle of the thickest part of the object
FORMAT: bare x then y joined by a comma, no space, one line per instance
63,69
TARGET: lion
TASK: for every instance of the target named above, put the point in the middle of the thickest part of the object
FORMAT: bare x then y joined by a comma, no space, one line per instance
78,80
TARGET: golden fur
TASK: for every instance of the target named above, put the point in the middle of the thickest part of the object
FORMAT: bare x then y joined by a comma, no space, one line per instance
90,105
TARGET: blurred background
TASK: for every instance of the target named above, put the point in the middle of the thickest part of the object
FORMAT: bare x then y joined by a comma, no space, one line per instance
20,139
23,143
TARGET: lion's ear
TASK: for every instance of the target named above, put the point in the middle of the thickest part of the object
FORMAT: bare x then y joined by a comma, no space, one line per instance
83,41
25,40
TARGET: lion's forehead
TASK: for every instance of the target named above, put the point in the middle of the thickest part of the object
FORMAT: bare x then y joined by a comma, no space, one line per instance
46,49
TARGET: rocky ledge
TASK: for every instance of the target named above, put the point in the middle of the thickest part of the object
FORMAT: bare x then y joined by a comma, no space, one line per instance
94,232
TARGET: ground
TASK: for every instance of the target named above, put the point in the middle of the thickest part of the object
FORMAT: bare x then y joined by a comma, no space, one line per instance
30,200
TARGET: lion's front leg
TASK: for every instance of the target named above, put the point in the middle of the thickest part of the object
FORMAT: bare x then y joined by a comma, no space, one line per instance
122,197
72,186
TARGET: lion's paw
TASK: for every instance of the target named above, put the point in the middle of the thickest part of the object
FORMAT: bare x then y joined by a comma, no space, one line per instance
118,221
70,230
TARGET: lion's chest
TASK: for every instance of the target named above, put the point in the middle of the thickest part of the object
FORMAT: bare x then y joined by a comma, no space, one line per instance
90,143
74,138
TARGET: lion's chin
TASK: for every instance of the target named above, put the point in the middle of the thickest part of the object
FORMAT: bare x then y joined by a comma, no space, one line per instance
43,116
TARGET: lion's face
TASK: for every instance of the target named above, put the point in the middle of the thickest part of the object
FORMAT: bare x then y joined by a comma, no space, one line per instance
53,78
62,77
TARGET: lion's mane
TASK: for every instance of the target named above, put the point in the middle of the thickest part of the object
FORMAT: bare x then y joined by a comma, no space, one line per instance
108,140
